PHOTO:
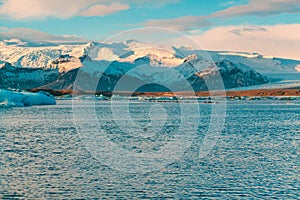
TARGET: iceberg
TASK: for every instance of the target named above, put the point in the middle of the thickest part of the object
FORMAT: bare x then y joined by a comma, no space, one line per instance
22,99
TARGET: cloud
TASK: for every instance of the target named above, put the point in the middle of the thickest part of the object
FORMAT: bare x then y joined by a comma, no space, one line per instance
249,28
101,10
41,9
185,23
254,7
261,8
152,3
280,40
227,3
3,28
30,35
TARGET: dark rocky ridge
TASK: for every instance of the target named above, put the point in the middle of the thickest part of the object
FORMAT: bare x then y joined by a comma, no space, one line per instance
25,78
233,75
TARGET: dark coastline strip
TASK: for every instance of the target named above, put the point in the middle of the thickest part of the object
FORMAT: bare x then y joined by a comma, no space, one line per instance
231,93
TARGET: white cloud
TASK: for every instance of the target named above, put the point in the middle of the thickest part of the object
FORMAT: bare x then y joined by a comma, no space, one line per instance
181,24
30,35
101,10
261,8
152,3
280,40
40,9
254,7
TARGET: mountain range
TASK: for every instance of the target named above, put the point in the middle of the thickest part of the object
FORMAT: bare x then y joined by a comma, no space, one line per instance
133,65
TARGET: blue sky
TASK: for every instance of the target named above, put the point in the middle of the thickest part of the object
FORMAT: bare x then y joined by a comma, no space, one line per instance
99,19
96,27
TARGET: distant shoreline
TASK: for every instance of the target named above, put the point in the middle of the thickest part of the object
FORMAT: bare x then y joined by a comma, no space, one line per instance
231,93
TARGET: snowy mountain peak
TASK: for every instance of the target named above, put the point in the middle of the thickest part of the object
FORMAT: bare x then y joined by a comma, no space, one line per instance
149,59
90,44
133,51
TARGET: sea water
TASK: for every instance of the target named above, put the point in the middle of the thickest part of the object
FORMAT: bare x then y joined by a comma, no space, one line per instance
45,156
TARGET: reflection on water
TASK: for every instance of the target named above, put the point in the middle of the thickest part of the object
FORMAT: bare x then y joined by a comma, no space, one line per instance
257,156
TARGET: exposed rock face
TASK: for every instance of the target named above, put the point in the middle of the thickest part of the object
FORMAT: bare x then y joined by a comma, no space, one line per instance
25,78
232,76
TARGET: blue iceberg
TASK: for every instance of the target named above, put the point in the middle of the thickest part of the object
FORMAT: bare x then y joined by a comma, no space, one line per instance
21,99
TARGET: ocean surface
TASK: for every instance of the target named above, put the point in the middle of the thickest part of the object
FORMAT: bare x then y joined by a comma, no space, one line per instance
47,154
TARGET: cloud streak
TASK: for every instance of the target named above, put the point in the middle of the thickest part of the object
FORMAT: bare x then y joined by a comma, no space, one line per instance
280,40
41,9
254,7
261,8
181,24
102,10
30,35
241,30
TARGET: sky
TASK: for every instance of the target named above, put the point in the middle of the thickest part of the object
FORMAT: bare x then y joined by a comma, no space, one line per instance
269,27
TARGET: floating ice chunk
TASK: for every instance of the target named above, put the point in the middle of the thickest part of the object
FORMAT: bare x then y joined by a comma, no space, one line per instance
21,99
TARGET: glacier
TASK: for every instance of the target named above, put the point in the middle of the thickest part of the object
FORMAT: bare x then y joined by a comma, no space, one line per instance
22,99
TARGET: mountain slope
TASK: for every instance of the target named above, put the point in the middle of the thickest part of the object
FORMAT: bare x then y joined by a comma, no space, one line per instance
128,76
25,78
157,67
14,52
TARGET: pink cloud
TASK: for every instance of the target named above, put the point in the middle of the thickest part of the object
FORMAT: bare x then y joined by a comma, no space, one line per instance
40,9
260,8
101,10
253,7
31,35
180,23
31,9
281,40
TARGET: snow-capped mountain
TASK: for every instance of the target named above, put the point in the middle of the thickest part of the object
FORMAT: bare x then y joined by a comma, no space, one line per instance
56,66
194,73
22,54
